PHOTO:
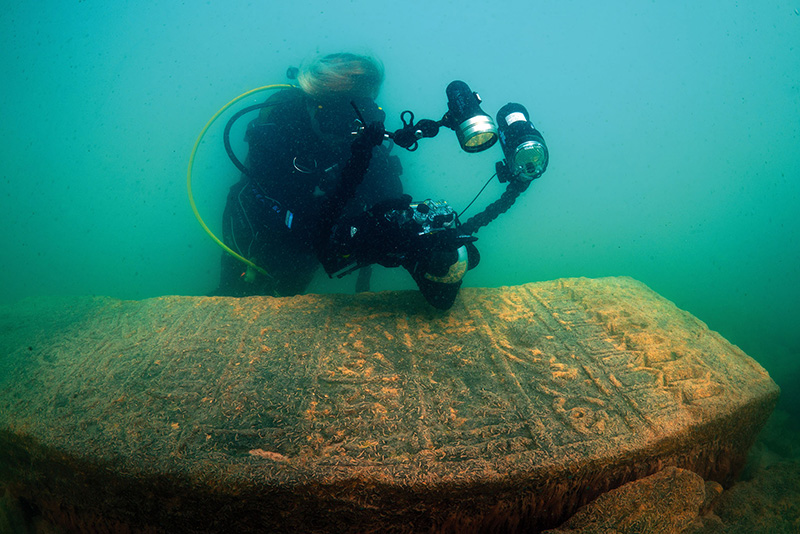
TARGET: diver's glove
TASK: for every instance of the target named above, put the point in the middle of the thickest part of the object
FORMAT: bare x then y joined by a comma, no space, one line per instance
368,137
354,170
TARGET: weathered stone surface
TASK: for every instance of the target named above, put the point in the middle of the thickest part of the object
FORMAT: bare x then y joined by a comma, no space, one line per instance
664,503
367,412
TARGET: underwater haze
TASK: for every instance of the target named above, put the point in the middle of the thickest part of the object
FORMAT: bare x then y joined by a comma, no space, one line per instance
673,130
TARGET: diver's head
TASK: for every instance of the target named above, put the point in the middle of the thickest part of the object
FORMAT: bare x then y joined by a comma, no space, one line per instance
334,83
341,75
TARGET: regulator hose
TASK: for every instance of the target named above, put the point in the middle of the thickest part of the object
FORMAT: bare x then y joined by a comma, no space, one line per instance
227,147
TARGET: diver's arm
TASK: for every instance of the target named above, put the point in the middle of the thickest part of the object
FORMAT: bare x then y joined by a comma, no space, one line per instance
352,175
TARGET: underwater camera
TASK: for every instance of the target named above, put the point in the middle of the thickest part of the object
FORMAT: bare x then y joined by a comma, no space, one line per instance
525,151
433,216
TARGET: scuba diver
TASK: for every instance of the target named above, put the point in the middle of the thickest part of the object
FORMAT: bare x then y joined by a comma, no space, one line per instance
319,186
298,146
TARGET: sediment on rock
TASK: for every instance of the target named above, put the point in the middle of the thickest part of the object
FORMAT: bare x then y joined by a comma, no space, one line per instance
366,412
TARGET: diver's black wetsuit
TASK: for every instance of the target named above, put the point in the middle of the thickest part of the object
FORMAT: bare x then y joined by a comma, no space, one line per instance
312,193
272,214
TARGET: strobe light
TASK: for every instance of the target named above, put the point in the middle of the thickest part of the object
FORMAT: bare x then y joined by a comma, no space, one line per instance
525,151
474,128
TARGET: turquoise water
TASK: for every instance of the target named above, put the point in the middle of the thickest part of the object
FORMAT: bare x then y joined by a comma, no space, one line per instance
673,128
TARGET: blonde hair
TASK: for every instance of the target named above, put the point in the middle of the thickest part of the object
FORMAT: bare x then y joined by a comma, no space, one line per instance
341,74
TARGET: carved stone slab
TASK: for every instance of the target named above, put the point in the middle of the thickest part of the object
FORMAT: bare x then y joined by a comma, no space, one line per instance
366,412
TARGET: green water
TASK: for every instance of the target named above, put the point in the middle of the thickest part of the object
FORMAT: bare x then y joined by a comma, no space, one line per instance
673,128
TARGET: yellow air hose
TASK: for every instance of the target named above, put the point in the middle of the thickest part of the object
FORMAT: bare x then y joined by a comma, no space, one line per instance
191,164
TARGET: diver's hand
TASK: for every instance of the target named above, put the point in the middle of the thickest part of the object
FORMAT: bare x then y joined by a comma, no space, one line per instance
369,136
